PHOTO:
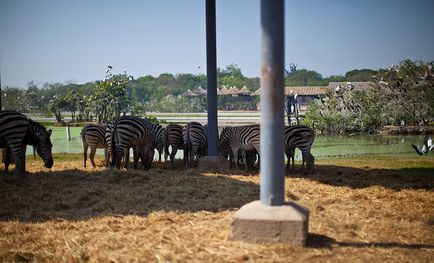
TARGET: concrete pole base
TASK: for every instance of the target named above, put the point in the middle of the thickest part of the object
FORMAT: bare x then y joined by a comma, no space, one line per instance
259,223
213,163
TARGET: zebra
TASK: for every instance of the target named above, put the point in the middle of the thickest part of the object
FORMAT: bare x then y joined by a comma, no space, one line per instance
16,132
159,137
196,141
239,139
94,136
302,137
173,138
130,131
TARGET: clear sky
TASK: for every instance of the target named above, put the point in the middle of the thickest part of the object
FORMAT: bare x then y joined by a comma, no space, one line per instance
75,40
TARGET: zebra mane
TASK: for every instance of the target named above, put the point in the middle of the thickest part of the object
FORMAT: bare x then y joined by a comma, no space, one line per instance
35,131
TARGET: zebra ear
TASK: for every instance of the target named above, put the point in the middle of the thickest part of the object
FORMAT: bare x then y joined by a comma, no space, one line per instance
49,132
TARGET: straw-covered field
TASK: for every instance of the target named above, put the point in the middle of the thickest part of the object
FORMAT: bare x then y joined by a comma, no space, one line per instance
365,209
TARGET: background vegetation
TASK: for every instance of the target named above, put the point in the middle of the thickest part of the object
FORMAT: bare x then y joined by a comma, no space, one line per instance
400,95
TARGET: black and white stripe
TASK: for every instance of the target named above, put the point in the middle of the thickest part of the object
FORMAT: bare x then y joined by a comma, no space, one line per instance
174,139
301,137
94,136
239,140
135,132
196,141
159,137
16,132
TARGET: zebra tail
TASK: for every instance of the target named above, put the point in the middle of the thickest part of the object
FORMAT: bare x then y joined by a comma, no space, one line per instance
166,145
113,147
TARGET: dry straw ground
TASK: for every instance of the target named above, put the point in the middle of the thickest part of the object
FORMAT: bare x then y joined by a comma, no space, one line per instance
377,209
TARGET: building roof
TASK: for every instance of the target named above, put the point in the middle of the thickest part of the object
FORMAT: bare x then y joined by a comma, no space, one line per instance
224,90
199,91
244,91
305,90
190,93
232,91
300,90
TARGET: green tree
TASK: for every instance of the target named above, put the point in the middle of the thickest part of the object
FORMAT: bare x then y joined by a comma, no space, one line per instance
359,75
56,104
110,99
304,77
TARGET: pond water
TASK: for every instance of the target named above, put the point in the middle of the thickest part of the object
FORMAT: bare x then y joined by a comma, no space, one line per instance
323,147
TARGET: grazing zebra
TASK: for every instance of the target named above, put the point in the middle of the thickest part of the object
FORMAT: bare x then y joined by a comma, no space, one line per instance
174,138
196,141
16,132
129,131
94,136
301,137
239,139
159,137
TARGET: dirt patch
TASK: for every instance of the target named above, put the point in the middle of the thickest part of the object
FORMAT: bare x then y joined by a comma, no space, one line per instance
357,214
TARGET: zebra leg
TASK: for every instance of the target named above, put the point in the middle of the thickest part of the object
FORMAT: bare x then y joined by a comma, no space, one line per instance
148,155
85,147
194,153
127,156
137,154
303,157
166,151
292,155
92,156
243,156
186,156
311,164
235,153
288,157
172,156
8,155
19,155
106,157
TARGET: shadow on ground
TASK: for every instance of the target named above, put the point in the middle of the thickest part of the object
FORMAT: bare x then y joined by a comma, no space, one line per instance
74,194
414,178
80,195
322,241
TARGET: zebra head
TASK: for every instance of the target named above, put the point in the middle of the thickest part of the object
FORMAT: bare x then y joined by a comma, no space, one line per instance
40,138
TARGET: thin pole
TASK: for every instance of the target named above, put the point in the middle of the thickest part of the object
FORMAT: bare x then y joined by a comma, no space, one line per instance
272,103
211,75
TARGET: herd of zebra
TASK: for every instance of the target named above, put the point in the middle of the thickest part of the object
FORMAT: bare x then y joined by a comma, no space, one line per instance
239,144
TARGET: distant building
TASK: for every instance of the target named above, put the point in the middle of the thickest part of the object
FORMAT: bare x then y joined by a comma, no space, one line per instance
224,91
304,94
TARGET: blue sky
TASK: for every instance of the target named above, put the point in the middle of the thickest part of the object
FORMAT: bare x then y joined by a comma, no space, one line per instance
74,41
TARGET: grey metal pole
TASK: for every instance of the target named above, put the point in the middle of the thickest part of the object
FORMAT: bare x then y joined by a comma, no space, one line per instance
211,73
272,103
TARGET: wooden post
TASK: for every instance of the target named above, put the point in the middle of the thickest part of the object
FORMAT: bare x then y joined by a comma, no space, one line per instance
68,133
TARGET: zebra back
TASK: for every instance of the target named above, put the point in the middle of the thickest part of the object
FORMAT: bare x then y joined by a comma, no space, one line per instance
173,137
299,136
245,138
94,135
302,137
240,139
17,131
130,131
159,135
197,138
